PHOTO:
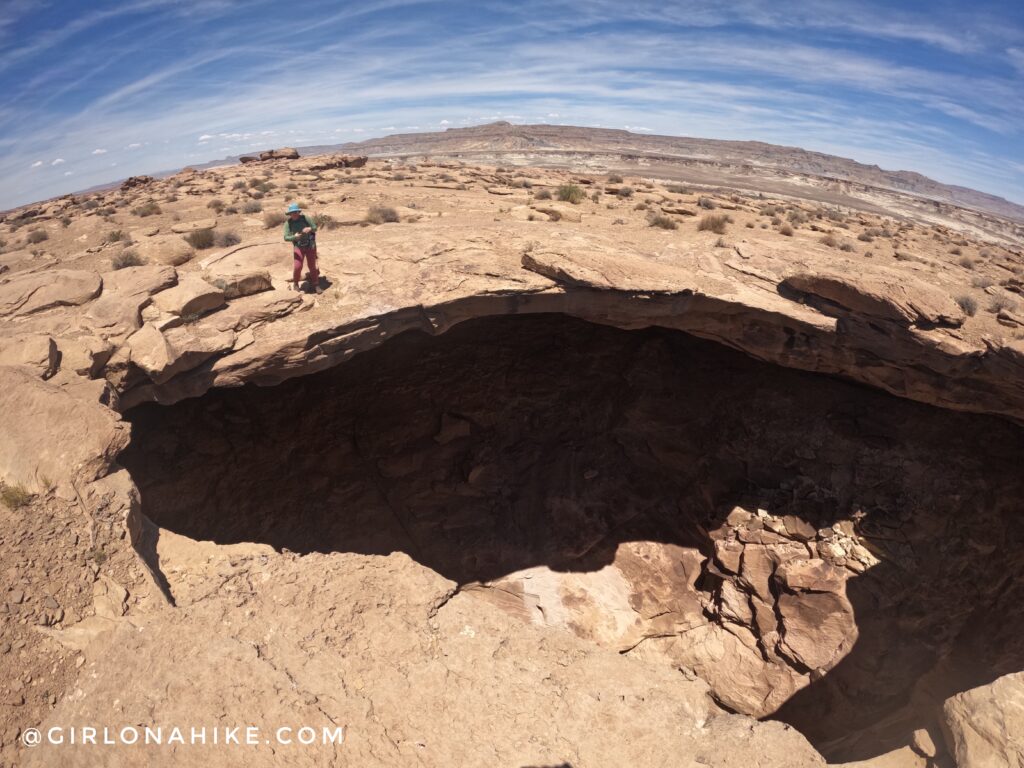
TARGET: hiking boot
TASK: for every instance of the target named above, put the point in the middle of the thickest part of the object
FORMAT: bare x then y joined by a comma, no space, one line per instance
319,290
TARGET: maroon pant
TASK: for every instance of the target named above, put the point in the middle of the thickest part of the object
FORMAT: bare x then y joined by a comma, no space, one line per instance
309,254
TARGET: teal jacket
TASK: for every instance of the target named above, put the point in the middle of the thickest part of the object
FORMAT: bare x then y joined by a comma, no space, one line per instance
293,229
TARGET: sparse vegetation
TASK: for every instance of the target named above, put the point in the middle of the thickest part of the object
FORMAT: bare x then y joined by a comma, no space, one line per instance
706,203
253,206
201,239
216,204
325,221
714,222
571,193
968,304
956,251
786,230
14,496
865,237
37,236
291,185
544,194
982,281
379,214
677,189
273,219
225,239
966,262
720,243
238,184
625,192
615,179
127,258
999,303
663,222
829,240
847,247
147,209
116,236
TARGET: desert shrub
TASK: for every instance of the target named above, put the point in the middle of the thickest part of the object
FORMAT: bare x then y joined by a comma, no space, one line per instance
968,304
982,281
706,203
291,185
253,206
240,184
797,218
865,237
522,183
260,185
571,193
380,214
749,225
625,192
90,205
596,197
325,221
127,258
65,221
829,240
956,252
273,219
37,236
116,236
226,239
14,496
786,230
902,256
966,262
201,239
999,303
663,222
640,207
398,177
147,209
848,247
769,210
713,223
544,194
615,179
231,210
720,243
677,189
216,204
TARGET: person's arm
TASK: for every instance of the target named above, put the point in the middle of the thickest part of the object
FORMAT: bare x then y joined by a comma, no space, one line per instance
310,223
289,236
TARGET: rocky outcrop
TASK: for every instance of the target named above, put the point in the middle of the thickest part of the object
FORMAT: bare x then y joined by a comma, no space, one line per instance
135,181
285,153
331,162
985,726
25,294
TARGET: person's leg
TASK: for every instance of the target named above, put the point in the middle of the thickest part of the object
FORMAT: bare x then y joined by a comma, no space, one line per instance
296,266
314,273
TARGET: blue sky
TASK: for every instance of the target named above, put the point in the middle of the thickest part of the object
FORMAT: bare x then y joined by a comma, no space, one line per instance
96,91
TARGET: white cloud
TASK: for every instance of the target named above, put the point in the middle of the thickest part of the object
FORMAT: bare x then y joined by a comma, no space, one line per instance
99,151
58,161
1016,58
444,122
205,137
133,145
37,163
69,173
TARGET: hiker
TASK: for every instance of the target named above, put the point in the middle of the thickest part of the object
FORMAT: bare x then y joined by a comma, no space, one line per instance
300,231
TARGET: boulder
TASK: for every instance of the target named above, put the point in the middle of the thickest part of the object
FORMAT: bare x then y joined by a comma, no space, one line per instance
164,355
984,727
135,181
238,284
559,211
164,249
85,355
284,153
191,296
39,291
37,351
338,161
48,434
899,298
246,159
184,227
140,281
